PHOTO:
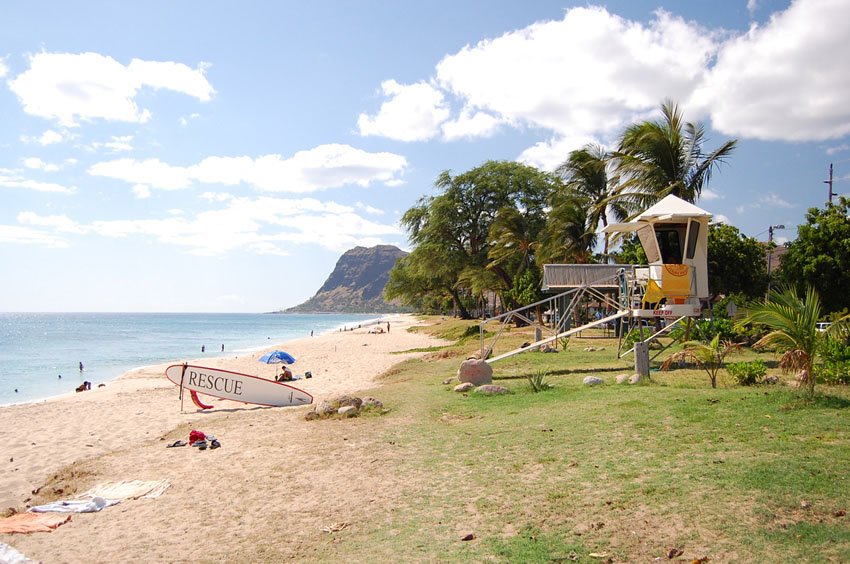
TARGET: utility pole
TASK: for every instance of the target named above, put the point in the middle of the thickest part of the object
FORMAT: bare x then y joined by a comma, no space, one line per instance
770,253
829,183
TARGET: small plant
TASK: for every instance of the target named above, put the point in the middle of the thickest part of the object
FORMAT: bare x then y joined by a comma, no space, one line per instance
564,342
537,381
748,373
709,356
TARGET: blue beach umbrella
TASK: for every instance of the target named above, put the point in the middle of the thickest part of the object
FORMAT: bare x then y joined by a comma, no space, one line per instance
278,357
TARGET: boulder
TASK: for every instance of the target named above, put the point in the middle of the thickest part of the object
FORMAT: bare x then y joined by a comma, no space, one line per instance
311,415
465,387
372,403
477,372
448,381
635,378
491,390
347,411
325,408
622,378
346,400
772,379
592,381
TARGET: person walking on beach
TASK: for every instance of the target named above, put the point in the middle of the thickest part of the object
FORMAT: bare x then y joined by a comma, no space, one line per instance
222,347
388,326
81,366
203,348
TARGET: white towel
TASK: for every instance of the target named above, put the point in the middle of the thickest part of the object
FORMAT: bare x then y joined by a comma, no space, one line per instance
129,489
77,506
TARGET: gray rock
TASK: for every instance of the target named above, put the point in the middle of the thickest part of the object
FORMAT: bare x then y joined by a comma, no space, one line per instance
311,415
448,381
346,400
465,387
635,378
491,390
347,411
372,403
622,378
592,381
772,379
325,408
475,371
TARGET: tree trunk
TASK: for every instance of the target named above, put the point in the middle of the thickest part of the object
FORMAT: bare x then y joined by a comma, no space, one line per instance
462,311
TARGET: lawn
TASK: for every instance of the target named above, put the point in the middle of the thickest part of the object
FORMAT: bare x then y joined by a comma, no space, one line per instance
608,473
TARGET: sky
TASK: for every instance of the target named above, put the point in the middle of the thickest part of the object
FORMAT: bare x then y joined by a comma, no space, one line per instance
220,156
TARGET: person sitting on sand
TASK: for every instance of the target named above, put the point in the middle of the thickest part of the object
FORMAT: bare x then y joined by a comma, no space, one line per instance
285,375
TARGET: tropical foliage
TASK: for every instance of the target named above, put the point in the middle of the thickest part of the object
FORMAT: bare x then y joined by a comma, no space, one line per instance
820,256
708,356
736,263
486,234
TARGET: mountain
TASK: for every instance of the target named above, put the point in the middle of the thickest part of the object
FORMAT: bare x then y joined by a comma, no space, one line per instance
356,284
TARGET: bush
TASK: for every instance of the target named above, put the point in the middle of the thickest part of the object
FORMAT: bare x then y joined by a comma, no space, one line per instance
835,365
748,373
538,381
705,330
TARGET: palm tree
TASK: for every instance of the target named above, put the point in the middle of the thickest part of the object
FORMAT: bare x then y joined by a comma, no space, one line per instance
792,322
657,158
709,356
568,235
585,172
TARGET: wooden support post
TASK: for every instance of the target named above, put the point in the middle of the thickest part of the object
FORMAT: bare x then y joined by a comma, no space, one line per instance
642,358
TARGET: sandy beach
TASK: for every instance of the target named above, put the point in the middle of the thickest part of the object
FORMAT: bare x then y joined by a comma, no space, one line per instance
273,474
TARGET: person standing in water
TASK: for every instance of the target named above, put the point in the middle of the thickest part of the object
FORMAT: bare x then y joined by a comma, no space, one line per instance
81,366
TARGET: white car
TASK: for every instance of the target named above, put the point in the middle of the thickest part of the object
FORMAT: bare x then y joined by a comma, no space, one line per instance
822,326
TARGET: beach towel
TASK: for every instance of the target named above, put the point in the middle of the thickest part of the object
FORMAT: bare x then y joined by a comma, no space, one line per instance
129,489
76,506
9,555
32,523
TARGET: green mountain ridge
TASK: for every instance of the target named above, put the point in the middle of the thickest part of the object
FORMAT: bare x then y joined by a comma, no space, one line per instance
356,284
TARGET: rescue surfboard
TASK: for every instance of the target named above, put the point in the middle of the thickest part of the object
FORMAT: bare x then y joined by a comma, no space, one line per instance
245,388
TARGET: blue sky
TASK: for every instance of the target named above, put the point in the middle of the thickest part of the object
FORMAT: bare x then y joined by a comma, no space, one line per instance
219,156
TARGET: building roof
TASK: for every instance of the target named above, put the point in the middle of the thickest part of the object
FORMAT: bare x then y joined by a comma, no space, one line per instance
671,209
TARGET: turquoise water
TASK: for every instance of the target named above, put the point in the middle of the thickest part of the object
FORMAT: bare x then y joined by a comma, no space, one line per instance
36,348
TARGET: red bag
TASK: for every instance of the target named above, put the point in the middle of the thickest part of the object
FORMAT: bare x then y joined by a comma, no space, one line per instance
196,436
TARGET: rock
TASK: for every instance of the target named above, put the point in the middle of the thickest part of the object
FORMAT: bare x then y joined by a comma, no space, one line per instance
467,536
465,387
325,408
635,378
592,381
311,415
347,411
601,349
372,403
491,390
589,349
346,400
477,372
448,381
525,345
622,378
772,379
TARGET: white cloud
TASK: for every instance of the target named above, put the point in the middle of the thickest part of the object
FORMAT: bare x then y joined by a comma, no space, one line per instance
775,200
470,124
413,112
547,155
184,120
142,191
325,166
263,225
787,79
59,223
26,236
9,179
720,218
36,163
582,76
68,87
837,149
751,6
49,137
116,144
368,209
709,194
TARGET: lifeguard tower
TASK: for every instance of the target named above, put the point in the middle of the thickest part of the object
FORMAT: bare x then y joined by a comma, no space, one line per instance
674,237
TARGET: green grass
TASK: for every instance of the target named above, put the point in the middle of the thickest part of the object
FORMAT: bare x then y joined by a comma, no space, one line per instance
746,474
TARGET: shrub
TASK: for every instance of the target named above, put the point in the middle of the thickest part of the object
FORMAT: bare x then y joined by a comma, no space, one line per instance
835,365
748,373
537,381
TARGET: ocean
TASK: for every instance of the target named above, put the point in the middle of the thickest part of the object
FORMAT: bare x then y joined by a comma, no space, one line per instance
36,348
